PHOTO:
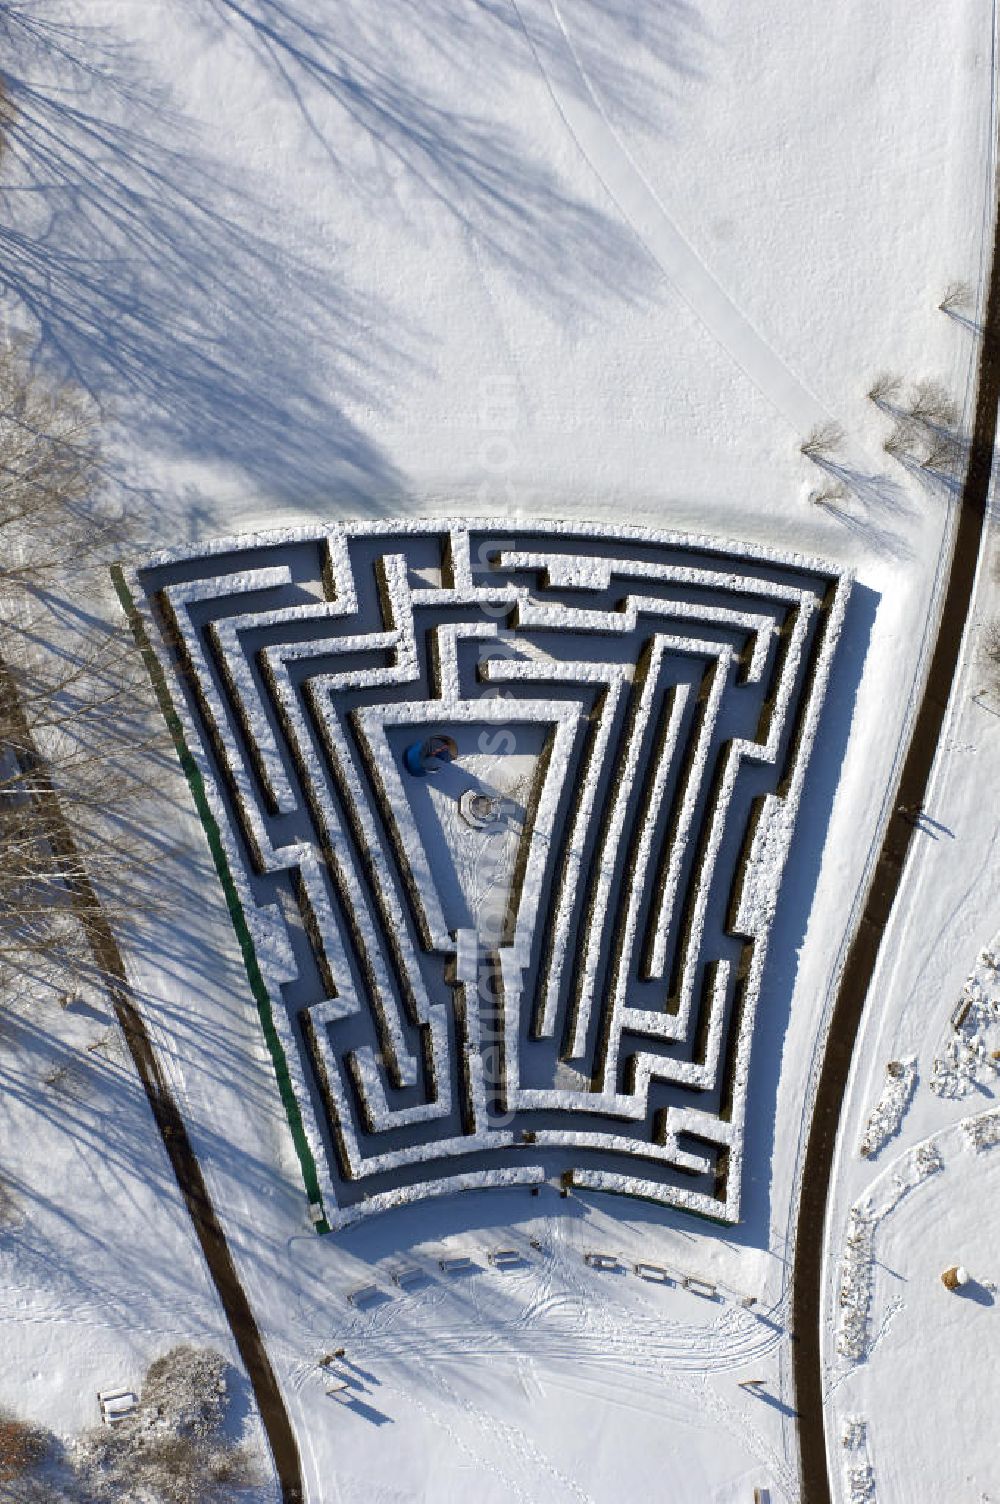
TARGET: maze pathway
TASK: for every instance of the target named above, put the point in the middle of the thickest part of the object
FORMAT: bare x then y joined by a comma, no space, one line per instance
540,952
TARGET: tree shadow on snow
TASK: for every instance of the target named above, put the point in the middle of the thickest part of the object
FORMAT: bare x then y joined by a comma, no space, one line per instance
874,507
380,69
165,287
177,291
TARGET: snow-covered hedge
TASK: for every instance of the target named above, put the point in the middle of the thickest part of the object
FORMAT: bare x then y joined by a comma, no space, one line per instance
856,1277
888,1113
982,1132
277,743
970,1055
855,1284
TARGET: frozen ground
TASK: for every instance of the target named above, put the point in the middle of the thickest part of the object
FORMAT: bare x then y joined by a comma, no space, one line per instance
535,259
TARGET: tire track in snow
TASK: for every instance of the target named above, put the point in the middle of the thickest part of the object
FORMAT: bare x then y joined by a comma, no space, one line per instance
560,1328
639,204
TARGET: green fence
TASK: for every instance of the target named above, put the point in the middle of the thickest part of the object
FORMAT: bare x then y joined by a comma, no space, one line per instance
261,996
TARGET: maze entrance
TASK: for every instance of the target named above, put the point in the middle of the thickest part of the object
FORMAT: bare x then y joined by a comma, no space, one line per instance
504,813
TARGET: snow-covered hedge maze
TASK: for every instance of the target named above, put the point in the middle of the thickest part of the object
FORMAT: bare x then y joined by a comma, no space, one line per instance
568,988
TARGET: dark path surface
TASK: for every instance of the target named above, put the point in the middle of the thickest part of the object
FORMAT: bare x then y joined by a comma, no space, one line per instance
185,1166
187,1171
863,954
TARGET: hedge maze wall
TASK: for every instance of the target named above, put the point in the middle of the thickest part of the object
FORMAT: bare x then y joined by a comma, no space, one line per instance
568,986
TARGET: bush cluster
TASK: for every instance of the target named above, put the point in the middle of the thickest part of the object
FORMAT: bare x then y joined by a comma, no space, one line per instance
173,1450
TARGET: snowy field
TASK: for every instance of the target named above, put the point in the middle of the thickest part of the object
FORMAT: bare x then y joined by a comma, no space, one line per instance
901,1351
525,260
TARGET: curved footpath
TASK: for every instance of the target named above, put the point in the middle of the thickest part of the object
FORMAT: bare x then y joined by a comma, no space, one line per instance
187,1171
807,1269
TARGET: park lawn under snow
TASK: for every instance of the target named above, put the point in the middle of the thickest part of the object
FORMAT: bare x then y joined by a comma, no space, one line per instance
915,1372
529,259
100,1271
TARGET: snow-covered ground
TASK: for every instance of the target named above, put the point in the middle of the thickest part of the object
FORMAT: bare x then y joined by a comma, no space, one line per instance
100,1271
529,258
916,1366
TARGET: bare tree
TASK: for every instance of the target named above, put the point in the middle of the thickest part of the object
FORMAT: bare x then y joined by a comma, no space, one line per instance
830,495
10,1211
904,439
926,430
69,733
942,453
957,297
884,390
50,475
822,440
8,114
931,403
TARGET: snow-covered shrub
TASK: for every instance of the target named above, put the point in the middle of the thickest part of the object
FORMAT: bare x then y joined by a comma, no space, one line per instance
982,1132
890,1109
855,1290
926,1160
30,1489
173,1449
991,651
161,1467
855,1433
186,1390
860,1483
909,1173
970,1055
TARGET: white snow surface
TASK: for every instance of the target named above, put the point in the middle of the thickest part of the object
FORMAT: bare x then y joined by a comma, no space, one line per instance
902,1351
100,1271
541,258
